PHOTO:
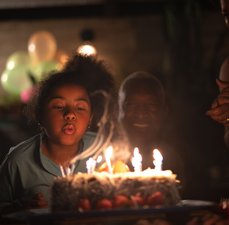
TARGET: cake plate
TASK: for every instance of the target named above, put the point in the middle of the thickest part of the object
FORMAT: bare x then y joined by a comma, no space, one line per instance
178,215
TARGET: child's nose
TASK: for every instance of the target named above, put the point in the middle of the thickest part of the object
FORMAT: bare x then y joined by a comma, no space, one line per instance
70,115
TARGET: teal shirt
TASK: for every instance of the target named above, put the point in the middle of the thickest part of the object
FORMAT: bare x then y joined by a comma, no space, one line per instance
27,171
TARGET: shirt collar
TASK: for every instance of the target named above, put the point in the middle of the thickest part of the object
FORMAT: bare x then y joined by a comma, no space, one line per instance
54,168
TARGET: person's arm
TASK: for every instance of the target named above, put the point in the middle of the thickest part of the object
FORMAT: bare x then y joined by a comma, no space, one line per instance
8,175
219,112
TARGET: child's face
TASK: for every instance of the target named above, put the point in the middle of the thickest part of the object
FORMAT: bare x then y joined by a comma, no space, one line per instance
66,114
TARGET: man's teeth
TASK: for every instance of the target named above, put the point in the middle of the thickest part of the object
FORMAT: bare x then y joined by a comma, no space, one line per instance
140,125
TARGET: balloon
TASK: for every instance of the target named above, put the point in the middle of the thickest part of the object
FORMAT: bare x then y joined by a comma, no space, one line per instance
16,80
26,95
7,100
17,59
42,46
44,68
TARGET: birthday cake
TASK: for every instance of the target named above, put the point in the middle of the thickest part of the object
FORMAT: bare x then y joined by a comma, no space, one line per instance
102,190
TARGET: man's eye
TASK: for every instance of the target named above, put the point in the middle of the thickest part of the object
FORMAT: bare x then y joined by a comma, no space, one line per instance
156,105
131,106
153,106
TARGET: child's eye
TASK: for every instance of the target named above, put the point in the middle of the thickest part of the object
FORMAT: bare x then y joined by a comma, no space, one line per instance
58,107
80,108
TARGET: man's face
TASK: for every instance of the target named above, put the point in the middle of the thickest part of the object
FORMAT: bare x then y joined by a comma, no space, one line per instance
225,11
142,113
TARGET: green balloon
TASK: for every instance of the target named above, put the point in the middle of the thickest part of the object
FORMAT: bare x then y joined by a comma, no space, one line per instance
16,80
43,69
8,100
19,58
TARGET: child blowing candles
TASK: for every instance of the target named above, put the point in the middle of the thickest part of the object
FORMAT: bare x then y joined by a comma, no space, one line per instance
63,109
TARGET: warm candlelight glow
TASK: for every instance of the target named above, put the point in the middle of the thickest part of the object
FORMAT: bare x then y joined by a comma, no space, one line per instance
137,160
157,159
108,153
90,164
99,159
65,171
120,167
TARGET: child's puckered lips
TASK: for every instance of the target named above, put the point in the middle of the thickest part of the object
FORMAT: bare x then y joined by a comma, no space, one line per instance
69,129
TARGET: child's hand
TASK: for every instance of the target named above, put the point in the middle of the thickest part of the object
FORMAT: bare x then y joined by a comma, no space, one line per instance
38,201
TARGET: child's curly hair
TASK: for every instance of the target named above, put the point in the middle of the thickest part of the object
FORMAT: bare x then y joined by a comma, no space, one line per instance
85,71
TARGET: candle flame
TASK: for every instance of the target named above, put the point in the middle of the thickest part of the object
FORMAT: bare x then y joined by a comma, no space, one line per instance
157,159
137,160
99,159
108,154
90,164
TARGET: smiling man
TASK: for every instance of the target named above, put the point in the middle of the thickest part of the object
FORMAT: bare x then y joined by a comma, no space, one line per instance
142,112
141,109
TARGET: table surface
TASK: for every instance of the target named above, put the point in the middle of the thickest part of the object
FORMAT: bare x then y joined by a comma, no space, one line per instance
178,215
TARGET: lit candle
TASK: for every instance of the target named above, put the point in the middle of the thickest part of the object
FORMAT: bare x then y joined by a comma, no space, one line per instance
137,160
62,171
157,160
99,159
108,154
65,171
90,165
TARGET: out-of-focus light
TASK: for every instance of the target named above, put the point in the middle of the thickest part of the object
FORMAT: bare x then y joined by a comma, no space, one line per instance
99,159
86,49
10,65
4,77
32,47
